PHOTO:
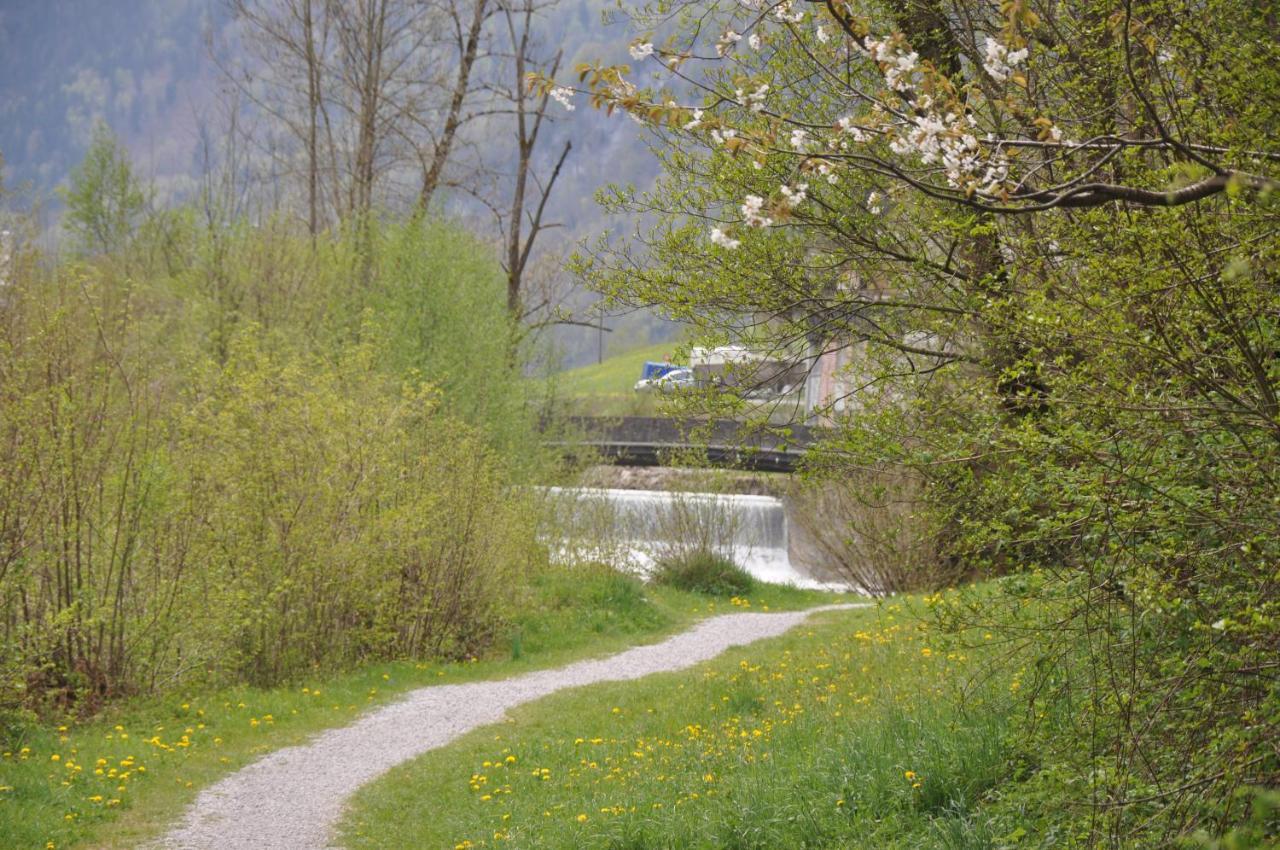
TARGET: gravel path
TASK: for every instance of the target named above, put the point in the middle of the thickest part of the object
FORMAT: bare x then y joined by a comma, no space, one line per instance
293,797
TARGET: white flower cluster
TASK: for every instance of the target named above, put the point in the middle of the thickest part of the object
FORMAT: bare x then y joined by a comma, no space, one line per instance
794,197
753,100
900,68
997,172
944,138
822,35
724,240
799,139
848,127
563,96
641,50
695,122
1000,60
949,140
824,168
721,137
752,205
754,41
785,14
726,42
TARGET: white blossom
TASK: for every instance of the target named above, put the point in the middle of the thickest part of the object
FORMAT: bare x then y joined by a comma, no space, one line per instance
695,121
901,71
754,41
798,139
994,177
794,197
563,96
751,212
724,240
784,13
721,137
753,100
899,68
1000,60
641,50
845,125
873,203
823,36
824,168
726,41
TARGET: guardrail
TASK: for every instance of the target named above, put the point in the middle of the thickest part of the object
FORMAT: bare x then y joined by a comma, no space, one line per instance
650,440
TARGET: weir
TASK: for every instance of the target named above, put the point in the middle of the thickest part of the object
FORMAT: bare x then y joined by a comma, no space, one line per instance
639,527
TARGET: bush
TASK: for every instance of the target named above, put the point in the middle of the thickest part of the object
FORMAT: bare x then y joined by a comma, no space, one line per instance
198,484
704,572
870,528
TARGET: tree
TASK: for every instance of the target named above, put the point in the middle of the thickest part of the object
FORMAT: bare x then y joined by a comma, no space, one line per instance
368,91
524,222
105,202
1046,233
468,40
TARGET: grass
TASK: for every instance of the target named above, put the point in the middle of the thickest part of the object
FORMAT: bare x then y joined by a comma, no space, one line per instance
863,730
616,375
704,572
607,388
121,778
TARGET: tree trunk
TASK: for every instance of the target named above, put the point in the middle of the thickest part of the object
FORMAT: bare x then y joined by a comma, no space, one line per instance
440,156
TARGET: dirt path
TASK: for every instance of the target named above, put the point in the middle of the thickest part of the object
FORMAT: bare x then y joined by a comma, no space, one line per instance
294,797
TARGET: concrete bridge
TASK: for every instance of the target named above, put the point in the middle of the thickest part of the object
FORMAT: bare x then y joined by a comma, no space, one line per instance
651,440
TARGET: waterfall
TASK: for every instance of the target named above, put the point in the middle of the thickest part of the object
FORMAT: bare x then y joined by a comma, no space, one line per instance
637,527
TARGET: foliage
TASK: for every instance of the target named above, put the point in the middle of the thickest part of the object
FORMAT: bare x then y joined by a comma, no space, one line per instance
223,460
870,529
703,571
1043,236
441,302
104,199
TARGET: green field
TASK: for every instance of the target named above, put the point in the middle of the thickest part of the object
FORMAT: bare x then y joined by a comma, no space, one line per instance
616,375
864,729
607,388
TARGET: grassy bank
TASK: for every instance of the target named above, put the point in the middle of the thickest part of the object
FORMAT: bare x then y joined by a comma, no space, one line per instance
121,778
607,388
863,730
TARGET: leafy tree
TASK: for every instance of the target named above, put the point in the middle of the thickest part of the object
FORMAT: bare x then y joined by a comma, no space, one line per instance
105,202
1044,233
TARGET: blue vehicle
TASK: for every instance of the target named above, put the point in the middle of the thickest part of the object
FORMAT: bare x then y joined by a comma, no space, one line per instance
653,369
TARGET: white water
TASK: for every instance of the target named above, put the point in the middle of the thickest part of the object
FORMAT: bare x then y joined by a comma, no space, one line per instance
637,527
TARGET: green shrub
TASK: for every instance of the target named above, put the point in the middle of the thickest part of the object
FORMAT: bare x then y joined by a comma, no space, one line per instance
239,469
704,571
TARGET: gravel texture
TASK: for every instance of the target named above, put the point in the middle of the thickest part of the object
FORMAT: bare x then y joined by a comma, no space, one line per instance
294,797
